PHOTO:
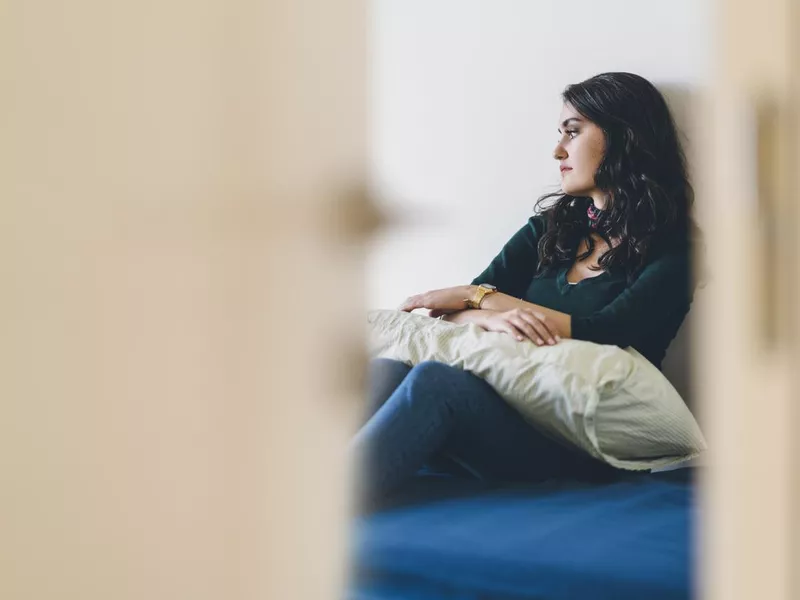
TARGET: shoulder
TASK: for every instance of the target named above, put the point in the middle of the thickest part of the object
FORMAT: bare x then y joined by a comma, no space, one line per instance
670,259
530,233
671,248
537,225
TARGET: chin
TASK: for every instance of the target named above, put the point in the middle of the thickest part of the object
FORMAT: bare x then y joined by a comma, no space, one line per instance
576,190
573,188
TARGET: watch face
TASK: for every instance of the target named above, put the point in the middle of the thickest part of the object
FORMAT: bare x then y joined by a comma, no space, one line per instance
488,286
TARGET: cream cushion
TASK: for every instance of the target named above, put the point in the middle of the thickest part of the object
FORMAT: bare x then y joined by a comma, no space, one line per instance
611,402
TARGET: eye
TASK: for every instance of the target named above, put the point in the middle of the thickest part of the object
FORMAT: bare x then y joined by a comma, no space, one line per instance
570,133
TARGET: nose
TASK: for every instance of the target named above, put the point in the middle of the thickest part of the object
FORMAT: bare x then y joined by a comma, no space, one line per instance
559,153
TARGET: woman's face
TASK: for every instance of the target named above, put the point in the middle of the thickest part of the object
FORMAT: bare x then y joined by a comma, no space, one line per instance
579,152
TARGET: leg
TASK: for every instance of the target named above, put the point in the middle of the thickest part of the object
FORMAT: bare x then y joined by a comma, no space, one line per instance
498,444
438,408
384,376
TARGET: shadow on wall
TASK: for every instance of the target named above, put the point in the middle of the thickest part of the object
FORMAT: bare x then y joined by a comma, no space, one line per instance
677,364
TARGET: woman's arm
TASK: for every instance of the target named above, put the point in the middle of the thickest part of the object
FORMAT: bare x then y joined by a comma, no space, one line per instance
520,322
477,316
450,303
664,287
562,322
512,270
499,302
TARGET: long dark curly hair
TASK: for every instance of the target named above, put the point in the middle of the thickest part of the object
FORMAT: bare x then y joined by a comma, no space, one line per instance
643,172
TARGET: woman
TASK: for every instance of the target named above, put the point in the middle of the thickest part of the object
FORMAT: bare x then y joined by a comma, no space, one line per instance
607,259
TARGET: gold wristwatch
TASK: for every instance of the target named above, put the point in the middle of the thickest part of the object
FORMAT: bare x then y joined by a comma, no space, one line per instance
484,289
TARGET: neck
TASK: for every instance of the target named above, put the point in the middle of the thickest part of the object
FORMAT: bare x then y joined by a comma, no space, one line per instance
599,199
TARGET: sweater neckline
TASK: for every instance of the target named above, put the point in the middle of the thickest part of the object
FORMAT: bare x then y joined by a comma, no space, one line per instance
565,286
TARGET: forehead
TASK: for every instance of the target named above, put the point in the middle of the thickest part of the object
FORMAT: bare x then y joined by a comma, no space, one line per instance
568,112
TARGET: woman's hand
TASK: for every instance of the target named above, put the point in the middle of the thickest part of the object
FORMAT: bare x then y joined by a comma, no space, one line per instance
444,301
523,323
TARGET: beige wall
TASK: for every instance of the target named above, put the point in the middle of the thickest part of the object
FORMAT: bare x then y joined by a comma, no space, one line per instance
175,291
749,336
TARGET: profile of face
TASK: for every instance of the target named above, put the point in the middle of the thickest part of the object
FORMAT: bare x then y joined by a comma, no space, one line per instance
579,151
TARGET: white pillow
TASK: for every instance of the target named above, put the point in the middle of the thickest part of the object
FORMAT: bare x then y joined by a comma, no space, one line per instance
612,403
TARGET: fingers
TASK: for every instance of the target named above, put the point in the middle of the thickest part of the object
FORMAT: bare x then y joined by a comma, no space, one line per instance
534,330
438,312
411,303
527,329
517,328
546,331
513,331
533,325
523,330
448,299
520,330
549,325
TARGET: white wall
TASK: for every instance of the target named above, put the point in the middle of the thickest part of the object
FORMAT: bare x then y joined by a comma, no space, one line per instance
465,97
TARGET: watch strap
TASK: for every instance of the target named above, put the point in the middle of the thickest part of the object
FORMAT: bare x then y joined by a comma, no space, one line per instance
480,293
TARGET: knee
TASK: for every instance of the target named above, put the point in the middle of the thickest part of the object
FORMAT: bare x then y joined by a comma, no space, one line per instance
431,370
388,367
385,374
438,384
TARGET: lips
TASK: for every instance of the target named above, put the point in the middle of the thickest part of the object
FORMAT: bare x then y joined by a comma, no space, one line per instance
564,169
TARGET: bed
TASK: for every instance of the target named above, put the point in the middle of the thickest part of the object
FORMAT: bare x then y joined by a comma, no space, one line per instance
451,537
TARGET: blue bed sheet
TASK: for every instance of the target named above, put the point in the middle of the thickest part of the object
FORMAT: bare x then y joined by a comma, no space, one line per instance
630,538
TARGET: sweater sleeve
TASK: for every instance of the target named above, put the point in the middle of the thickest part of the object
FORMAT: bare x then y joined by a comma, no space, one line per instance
663,288
513,268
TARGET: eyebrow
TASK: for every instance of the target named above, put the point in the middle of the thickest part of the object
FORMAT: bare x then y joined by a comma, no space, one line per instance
566,122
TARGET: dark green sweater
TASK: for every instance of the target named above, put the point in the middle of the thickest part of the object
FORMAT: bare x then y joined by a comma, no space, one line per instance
605,309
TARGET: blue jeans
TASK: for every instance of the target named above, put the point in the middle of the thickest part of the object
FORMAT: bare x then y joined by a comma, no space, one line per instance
435,414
